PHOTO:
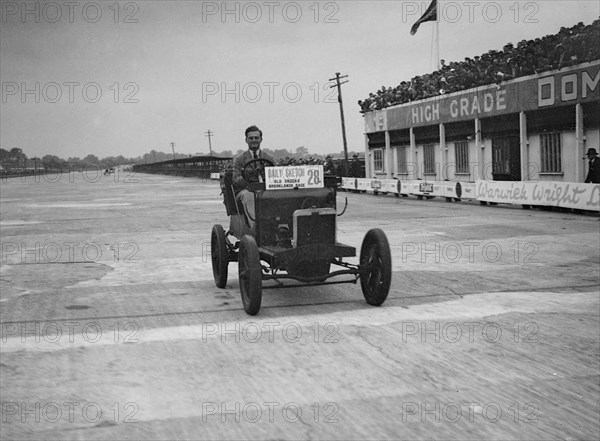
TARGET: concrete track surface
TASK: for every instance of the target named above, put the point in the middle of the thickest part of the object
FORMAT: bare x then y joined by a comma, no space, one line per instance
112,326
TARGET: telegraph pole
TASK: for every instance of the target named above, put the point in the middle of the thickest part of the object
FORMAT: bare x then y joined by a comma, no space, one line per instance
339,87
173,148
209,134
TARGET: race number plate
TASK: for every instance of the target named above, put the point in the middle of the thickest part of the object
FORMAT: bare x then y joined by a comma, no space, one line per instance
300,176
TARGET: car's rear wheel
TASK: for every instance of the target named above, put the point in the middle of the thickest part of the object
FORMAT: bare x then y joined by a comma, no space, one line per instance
250,273
219,255
375,267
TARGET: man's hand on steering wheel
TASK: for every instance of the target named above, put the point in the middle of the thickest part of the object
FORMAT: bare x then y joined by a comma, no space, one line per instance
266,161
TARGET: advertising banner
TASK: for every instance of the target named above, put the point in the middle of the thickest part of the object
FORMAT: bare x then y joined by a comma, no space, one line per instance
390,185
349,183
556,194
384,185
363,184
468,190
376,121
424,188
555,88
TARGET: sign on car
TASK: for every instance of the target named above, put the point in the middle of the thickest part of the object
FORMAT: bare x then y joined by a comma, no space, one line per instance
299,176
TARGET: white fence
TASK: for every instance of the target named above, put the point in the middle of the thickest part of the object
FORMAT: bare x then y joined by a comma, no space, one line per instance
544,193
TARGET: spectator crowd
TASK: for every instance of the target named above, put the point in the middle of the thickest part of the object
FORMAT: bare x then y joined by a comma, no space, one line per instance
570,46
330,166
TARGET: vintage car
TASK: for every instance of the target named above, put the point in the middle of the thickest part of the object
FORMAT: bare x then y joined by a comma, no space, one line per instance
294,236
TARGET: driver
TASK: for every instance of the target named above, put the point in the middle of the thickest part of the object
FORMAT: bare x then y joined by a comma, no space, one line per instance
254,173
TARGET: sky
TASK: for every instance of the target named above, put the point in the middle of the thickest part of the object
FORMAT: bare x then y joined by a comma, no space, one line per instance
124,78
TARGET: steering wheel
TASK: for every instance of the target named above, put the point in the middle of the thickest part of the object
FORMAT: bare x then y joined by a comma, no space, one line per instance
266,161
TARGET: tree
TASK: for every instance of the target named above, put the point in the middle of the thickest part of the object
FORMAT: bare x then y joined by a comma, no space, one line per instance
52,162
301,151
91,159
280,154
18,155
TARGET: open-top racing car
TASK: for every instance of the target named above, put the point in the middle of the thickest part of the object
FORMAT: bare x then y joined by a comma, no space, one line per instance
293,237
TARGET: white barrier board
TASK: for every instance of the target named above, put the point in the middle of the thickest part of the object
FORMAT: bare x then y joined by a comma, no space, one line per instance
363,184
349,183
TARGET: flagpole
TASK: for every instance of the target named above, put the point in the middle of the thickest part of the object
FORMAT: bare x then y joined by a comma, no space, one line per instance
437,40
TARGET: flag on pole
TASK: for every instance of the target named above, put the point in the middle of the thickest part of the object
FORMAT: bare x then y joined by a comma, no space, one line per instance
430,15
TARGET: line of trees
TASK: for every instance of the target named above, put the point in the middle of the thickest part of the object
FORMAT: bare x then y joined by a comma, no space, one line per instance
15,158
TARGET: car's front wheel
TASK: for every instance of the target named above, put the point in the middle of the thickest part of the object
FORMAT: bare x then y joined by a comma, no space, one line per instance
250,275
375,267
219,255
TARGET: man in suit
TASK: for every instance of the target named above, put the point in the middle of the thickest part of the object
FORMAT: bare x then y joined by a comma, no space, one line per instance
329,166
254,173
593,175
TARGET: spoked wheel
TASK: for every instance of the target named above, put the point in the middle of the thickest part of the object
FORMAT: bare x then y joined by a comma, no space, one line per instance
219,255
375,267
250,275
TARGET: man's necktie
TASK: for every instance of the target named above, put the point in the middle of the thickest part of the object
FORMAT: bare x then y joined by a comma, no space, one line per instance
258,169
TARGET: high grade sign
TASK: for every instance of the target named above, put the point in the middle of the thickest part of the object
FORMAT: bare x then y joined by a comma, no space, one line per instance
555,88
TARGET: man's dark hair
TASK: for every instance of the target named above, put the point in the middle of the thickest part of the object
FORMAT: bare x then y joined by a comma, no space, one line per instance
253,129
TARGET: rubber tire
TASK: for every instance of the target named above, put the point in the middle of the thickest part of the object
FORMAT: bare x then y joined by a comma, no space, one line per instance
250,275
219,255
375,283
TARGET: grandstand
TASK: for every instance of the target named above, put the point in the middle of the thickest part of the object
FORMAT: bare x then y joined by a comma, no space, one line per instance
197,166
534,127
